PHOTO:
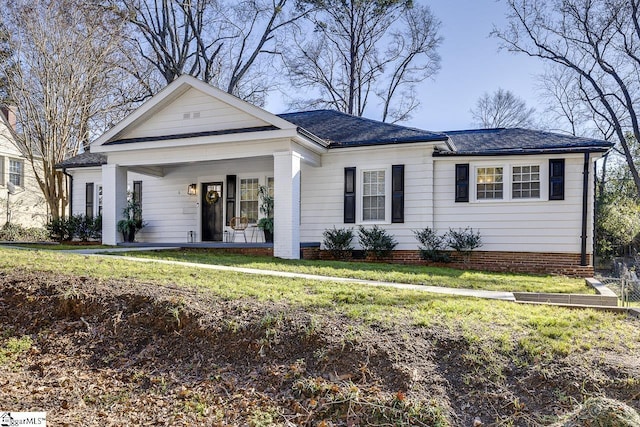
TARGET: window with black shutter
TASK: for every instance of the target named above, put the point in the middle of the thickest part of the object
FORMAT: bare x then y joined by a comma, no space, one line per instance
397,193
349,195
556,179
88,210
462,182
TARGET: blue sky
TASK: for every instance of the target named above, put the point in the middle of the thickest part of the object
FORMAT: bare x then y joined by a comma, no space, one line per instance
471,65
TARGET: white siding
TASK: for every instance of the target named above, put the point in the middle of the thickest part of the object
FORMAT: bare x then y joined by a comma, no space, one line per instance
323,190
28,206
194,111
80,179
511,225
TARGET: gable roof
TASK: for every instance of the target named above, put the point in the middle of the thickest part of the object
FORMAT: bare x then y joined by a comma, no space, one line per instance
502,141
172,92
341,130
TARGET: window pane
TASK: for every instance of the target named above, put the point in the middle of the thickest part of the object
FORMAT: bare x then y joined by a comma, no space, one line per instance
525,182
373,195
15,172
489,183
249,199
99,196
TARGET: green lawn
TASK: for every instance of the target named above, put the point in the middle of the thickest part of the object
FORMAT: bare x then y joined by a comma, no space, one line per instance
536,332
62,246
433,276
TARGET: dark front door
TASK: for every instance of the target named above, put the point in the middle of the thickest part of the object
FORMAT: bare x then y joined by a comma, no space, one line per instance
211,202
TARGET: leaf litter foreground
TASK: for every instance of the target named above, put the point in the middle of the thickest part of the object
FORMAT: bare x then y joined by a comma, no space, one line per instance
110,353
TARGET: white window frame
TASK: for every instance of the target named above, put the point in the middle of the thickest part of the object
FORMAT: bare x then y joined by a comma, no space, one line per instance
97,199
507,178
239,195
539,181
9,173
476,183
3,179
360,194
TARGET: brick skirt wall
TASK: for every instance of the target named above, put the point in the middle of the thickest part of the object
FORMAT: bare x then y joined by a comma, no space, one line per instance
513,262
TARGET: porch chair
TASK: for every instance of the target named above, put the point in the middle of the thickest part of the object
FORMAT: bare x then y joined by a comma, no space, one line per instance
239,224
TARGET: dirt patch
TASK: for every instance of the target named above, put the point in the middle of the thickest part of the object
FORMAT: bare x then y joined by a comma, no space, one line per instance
93,352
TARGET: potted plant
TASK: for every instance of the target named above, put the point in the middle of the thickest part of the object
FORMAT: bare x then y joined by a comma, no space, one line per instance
266,208
132,221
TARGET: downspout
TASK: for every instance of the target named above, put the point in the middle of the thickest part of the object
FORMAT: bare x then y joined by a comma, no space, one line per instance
585,208
69,189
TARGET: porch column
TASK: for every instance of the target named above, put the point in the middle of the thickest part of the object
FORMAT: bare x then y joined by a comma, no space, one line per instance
114,200
286,211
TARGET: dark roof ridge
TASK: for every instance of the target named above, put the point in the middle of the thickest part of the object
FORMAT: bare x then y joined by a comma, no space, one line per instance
379,122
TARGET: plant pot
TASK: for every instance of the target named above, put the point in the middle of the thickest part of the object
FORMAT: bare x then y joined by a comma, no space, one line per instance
268,236
129,235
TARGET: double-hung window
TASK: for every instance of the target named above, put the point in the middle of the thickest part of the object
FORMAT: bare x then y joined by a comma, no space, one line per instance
249,199
373,195
16,169
525,182
489,183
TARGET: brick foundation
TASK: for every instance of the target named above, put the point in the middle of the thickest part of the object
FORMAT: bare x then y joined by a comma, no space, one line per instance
511,262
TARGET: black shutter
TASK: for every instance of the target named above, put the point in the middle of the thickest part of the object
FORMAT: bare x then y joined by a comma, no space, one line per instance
556,179
231,197
88,203
349,195
397,193
462,182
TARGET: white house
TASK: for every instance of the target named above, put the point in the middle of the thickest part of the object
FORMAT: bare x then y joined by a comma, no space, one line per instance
21,200
529,193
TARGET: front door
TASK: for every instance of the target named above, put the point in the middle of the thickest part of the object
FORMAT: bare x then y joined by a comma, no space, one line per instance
212,223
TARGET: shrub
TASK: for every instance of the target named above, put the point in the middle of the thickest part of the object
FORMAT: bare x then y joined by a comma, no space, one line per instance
376,241
87,228
78,226
13,233
464,241
338,242
431,245
61,229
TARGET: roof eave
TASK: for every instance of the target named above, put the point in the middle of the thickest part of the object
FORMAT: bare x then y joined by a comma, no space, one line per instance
521,152
383,143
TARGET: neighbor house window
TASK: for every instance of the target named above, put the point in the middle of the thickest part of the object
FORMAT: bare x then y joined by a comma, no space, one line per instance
373,195
249,199
15,172
489,183
525,182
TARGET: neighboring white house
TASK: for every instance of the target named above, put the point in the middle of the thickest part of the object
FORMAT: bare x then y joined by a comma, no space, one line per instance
529,193
21,200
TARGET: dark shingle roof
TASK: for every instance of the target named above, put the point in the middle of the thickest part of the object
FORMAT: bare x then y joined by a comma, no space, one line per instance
344,130
337,130
83,160
481,142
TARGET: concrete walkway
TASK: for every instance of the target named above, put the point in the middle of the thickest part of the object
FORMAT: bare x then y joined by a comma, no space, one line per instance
506,296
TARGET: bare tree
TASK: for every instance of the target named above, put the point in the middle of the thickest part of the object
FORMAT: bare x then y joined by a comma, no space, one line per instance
64,83
597,41
222,43
502,109
176,37
412,57
364,48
